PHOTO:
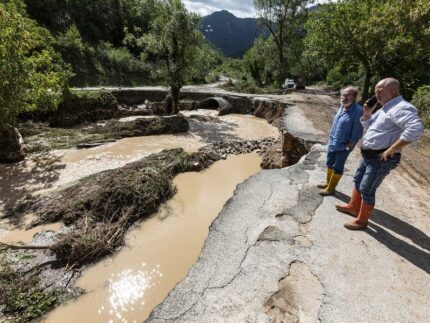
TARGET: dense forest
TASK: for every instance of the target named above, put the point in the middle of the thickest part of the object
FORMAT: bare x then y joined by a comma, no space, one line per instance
107,42
48,46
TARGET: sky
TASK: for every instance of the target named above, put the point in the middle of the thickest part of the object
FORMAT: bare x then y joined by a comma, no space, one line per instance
240,8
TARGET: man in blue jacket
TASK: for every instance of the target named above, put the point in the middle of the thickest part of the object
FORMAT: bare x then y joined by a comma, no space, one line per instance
345,132
394,126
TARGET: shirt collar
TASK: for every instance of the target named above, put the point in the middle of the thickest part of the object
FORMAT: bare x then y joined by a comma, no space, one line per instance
351,107
393,102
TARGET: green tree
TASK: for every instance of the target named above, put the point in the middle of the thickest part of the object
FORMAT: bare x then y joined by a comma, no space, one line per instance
421,100
31,73
260,62
378,38
174,40
284,19
207,58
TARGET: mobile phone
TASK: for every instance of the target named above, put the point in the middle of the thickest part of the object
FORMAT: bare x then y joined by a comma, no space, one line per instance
373,104
372,101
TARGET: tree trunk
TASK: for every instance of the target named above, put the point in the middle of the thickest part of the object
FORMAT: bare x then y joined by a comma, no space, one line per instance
366,84
10,146
174,91
282,69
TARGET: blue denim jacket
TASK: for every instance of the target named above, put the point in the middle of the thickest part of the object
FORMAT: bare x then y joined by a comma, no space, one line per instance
346,127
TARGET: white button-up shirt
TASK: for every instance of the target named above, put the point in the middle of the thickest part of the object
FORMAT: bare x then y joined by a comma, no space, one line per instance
397,119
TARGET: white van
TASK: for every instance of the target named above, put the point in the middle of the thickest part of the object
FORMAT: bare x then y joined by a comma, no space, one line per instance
288,84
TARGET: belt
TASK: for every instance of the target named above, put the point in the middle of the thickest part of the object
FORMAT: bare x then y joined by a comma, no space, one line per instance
370,153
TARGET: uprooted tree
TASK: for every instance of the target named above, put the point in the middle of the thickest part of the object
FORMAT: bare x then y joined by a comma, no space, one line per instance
32,74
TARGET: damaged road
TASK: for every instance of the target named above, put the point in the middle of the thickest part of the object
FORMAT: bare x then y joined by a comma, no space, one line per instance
279,252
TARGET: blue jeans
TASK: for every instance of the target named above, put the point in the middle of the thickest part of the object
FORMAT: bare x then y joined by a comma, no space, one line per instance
370,174
337,159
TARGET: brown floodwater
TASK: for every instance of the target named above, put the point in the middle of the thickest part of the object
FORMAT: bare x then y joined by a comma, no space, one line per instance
60,168
160,251
11,232
81,163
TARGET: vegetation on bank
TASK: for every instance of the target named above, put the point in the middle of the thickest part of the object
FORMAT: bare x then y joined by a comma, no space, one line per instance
102,41
40,137
421,100
23,298
76,106
32,74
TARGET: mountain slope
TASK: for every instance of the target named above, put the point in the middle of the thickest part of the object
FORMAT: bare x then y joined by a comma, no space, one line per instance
232,35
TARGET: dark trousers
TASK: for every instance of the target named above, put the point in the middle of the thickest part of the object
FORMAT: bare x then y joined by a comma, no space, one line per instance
336,160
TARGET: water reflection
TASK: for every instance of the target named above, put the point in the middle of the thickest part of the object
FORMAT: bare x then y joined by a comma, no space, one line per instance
127,291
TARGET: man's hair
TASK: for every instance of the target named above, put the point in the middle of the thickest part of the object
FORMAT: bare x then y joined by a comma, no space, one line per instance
353,89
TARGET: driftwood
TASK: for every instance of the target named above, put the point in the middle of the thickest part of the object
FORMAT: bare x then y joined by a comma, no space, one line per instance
26,247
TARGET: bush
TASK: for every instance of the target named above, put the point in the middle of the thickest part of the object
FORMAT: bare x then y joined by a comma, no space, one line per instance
339,76
88,99
421,99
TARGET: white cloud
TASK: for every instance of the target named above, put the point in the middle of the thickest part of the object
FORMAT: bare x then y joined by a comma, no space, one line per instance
240,8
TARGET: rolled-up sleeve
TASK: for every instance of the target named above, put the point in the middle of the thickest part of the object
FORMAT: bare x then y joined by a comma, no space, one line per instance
409,121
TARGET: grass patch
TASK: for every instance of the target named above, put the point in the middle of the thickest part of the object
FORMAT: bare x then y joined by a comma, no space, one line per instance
22,297
251,87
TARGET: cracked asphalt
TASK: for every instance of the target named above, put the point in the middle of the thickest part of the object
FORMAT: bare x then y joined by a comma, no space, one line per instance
279,252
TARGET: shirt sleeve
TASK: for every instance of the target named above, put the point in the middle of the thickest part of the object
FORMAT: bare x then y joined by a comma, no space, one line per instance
366,124
357,129
408,120
336,116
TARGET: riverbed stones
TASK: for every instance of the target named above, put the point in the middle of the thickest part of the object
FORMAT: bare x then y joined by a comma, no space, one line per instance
224,148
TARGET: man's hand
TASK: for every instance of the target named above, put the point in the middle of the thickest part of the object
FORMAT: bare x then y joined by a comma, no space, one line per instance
367,111
399,144
388,153
350,145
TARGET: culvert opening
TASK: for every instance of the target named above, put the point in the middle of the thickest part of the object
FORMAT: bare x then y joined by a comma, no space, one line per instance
214,104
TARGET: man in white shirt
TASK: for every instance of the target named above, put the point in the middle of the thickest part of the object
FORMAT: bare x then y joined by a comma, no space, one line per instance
394,126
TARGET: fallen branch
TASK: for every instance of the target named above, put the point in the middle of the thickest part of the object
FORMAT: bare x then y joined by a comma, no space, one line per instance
15,246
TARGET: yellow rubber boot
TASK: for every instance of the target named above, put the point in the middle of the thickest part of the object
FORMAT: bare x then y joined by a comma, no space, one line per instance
334,180
329,173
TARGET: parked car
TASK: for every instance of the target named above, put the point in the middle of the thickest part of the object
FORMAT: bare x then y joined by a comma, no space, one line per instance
288,84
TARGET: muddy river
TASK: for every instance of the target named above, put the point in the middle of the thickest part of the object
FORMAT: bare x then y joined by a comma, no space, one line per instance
159,253
161,250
